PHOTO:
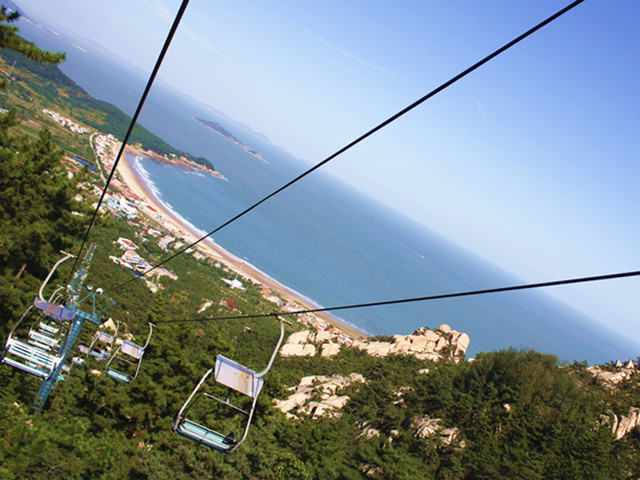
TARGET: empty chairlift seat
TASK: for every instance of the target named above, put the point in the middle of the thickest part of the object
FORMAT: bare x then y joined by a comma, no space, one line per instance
236,377
105,340
128,358
48,329
39,353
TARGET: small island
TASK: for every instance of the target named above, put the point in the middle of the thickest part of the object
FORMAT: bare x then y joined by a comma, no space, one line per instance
216,127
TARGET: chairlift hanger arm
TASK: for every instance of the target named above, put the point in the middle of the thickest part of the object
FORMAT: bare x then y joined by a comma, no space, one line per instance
54,296
195,390
66,257
19,322
151,325
277,349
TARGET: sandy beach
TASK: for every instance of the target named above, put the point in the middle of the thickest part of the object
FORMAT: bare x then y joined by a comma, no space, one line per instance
167,221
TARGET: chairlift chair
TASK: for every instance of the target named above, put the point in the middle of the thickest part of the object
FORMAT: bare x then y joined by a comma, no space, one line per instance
128,353
103,338
237,377
40,354
36,355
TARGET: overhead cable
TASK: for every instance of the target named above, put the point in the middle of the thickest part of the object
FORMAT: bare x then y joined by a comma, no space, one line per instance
372,131
134,120
443,296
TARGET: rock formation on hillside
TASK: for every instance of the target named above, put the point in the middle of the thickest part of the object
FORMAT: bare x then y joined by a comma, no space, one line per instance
612,378
424,426
622,424
318,385
424,344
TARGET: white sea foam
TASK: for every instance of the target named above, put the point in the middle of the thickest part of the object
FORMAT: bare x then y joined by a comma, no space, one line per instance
189,226
146,179
153,189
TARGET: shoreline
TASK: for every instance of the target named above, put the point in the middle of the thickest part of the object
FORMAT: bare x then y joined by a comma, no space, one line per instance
170,223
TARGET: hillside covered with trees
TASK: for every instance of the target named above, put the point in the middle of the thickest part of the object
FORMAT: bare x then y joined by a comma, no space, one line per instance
510,414
35,84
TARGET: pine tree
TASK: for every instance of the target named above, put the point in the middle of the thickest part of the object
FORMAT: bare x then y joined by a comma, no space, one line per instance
36,196
10,39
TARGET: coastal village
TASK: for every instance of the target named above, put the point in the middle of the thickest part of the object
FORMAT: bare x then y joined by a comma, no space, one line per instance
150,222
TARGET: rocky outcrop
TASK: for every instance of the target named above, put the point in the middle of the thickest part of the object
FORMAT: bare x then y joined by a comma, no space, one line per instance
626,423
372,470
303,343
424,426
621,425
611,378
424,344
305,350
317,396
330,349
368,431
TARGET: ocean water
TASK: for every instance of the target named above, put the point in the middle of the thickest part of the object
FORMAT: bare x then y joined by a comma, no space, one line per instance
329,243
336,248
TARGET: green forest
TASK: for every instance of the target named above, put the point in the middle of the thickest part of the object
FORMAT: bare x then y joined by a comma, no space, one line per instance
34,85
516,413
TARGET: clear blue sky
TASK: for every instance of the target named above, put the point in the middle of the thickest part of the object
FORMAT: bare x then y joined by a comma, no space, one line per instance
532,162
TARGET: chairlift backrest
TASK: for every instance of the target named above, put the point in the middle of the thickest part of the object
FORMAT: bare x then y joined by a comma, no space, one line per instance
105,338
237,377
132,349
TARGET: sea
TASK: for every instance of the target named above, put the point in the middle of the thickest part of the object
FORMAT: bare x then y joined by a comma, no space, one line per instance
323,240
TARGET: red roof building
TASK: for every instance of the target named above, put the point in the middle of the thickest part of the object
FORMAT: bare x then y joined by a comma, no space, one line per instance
228,303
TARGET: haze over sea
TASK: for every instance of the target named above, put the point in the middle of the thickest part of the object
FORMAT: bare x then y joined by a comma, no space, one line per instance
331,244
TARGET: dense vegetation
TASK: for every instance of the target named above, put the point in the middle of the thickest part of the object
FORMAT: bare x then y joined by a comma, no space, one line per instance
519,413
40,84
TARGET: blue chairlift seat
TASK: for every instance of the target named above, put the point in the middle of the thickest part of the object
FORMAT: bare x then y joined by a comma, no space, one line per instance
41,346
44,339
237,377
29,358
78,361
121,377
206,436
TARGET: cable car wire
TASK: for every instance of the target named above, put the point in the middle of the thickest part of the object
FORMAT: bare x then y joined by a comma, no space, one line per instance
134,120
370,132
527,286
